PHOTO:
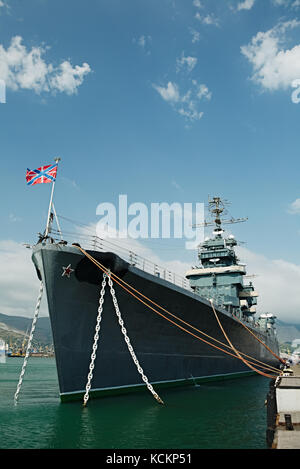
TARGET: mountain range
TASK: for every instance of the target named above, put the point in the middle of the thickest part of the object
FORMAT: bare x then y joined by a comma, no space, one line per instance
14,328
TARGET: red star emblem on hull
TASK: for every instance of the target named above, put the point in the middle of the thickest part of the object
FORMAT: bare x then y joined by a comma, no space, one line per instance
67,271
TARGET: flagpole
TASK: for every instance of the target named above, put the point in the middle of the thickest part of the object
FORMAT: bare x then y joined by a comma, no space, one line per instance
57,222
51,202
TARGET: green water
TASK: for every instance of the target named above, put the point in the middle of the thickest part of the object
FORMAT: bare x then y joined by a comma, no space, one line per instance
222,415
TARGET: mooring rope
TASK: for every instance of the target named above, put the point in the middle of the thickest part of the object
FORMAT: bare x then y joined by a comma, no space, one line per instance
35,317
234,349
257,338
118,280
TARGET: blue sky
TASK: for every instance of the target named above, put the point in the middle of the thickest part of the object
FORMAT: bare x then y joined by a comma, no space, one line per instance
165,101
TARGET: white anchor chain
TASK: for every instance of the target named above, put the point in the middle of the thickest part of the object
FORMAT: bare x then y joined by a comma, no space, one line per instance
35,317
130,348
95,344
96,338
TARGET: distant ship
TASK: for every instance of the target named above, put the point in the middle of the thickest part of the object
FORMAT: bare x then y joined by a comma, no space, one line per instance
181,331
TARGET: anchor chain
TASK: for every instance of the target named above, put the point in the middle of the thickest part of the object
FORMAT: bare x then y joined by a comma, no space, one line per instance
96,340
35,317
127,340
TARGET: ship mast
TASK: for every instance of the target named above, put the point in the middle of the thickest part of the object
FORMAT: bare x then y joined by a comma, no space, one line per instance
216,207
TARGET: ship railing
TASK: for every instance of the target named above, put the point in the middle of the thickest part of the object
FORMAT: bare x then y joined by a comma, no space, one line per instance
96,243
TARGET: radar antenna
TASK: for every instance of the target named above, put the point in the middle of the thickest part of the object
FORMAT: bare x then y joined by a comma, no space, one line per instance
216,207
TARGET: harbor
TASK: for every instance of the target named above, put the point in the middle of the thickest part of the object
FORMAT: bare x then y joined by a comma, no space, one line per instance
283,411
18,349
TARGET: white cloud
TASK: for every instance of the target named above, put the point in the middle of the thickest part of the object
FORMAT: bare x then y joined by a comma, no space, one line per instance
185,104
4,6
13,218
176,185
195,35
19,284
202,90
67,78
245,5
26,69
281,2
209,19
190,113
197,4
294,207
277,283
293,4
169,93
186,63
143,42
274,67
69,182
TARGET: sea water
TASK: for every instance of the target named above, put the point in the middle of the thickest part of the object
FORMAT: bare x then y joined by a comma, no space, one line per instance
221,415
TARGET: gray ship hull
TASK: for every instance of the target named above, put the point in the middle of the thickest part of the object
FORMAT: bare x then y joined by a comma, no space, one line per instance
168,355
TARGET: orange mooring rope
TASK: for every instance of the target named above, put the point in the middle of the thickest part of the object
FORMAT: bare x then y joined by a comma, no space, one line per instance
257,338
118,280
234,349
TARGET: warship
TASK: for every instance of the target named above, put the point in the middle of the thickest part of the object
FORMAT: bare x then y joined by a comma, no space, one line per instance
122,324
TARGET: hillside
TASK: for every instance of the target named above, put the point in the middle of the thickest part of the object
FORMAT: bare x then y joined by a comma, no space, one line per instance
14,328
287,332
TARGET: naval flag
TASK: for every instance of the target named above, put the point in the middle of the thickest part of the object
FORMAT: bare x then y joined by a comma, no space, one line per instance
41,175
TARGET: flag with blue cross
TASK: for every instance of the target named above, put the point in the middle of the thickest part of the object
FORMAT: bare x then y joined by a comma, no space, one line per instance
41,175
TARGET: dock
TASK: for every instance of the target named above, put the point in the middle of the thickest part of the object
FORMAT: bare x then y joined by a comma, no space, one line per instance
283,411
